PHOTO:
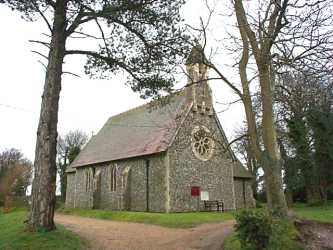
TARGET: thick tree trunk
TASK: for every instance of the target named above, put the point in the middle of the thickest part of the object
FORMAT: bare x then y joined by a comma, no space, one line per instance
63,186
7,203
63,177
311,177
246,98
323,192
289,178
289,174
44,183
271,159
254,171
313,194
276,201
289,197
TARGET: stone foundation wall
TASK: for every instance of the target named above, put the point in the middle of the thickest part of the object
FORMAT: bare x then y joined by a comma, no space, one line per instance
84,190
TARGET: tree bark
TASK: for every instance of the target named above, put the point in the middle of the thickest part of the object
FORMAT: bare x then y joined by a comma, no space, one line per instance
273,182
271,161
63,186
313,193
253,150
246,97
270,157
44,183
63,176
289,197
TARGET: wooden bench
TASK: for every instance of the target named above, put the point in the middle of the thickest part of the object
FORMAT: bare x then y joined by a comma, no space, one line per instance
218,205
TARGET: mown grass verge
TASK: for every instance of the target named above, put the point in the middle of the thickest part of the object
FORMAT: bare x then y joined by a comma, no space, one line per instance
322,213
316,213
13,235
173,220
231,242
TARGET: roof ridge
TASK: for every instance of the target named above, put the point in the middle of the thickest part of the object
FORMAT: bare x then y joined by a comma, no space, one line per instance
145,104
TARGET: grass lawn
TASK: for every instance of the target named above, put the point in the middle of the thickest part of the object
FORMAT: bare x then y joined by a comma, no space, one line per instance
317,213
13,235
174,220
231,242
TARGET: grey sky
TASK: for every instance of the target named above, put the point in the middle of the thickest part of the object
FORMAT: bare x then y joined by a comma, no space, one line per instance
85,103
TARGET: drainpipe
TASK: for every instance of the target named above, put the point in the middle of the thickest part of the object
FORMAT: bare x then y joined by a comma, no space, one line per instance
244,197
147,185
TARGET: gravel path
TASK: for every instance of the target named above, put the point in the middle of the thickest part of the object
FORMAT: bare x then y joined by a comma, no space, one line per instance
113,235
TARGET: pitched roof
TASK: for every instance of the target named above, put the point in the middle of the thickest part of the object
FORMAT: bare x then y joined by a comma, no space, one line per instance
70,169
240,171
144,130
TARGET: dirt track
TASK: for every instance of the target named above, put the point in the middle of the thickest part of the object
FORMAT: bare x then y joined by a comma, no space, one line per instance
112,235
315,235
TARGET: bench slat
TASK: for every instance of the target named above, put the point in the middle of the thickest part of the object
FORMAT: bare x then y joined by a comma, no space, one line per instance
214,203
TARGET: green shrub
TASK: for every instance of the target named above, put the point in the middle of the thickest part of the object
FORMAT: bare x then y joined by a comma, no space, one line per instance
256,229
59,204
259,204
283,236
253,229
20,202
231,242
2,199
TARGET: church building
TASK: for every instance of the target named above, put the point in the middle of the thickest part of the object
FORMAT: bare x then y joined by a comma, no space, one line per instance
169,155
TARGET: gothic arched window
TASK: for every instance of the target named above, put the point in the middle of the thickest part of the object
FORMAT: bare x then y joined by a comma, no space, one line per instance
113,179
88,177
202,143
124,177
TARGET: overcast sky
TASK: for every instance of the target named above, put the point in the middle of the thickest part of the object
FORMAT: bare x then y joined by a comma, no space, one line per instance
85,103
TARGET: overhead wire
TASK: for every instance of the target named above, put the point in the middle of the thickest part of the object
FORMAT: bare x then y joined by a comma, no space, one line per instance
17,108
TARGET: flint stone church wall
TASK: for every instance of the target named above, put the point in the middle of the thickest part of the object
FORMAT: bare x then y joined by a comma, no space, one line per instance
127,196
171,176
70,190
214,175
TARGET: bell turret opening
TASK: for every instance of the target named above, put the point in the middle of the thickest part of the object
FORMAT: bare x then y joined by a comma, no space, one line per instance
198,90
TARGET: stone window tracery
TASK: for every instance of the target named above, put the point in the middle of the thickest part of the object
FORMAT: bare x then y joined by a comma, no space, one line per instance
202,143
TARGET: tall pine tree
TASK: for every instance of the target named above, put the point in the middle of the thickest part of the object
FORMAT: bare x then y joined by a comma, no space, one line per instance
141,37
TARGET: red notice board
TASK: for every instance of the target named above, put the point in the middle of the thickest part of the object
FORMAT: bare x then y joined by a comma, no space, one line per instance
195,191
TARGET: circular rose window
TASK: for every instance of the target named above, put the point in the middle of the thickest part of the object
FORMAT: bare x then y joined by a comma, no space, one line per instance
202,143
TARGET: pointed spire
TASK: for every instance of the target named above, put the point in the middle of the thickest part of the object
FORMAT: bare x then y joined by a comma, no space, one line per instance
197,55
